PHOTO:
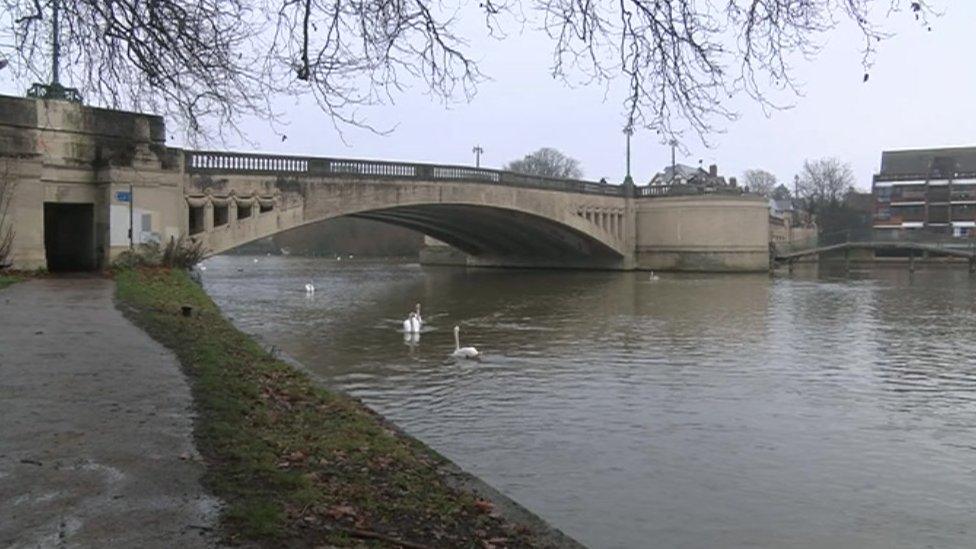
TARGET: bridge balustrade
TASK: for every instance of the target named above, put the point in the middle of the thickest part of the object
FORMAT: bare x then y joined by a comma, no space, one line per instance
683,190
213,162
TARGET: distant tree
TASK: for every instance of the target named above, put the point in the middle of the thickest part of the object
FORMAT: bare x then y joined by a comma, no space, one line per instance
759,182
824,181
826,190
781,193
547,163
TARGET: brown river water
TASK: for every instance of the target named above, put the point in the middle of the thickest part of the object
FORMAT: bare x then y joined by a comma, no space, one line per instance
822,410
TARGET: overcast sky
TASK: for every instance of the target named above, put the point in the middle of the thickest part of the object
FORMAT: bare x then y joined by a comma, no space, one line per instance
920,94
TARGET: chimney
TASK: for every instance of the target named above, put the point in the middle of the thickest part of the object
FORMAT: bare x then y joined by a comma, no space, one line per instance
732,181
713,170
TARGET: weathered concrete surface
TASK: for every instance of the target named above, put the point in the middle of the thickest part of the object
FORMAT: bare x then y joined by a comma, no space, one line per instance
96,445
709,233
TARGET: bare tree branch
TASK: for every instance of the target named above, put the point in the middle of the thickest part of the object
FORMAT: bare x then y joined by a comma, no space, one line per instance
7,188
209,63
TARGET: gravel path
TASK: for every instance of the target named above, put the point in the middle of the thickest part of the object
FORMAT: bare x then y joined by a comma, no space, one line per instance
96,446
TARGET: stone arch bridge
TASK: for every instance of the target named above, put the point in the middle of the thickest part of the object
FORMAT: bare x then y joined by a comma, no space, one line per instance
495,217
90,184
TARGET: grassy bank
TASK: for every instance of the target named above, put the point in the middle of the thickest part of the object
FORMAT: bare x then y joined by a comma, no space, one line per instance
298,465
7,280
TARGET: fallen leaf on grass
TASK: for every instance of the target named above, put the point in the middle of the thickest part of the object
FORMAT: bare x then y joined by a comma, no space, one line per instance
339,511
382,462
484,505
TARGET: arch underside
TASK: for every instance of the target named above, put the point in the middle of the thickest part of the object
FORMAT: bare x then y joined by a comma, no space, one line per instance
484,231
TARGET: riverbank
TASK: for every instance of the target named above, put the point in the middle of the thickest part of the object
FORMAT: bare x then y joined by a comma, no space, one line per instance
299,465
7,280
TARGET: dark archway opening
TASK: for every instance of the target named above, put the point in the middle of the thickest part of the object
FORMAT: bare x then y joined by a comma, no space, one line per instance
69,237
197,215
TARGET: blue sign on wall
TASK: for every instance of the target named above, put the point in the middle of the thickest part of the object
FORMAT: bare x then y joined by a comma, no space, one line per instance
123,196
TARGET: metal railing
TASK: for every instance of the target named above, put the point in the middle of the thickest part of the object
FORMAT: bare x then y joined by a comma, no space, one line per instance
868,236
222,162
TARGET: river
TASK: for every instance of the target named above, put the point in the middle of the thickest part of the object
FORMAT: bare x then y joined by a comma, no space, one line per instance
692,411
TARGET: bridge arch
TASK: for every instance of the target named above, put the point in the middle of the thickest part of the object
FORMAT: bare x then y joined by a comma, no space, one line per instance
493,224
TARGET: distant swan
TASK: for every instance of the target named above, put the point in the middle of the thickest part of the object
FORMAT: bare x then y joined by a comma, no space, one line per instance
653,277
462,352
203,267
309,288
412,324
420,320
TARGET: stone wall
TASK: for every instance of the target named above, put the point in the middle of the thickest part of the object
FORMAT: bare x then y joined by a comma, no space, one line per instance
65,153
711,233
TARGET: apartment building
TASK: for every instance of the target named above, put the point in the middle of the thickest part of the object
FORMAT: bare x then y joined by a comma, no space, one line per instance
930,189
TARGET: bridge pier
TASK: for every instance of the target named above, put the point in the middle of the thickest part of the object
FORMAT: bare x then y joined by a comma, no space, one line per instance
972,265
911,261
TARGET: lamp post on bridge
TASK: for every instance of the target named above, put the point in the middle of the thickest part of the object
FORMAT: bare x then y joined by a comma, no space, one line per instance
674,166
628,131
54,90
477,150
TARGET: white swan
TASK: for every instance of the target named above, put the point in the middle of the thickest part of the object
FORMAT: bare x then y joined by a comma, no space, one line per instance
462,352
653,277
203,267
420,319
412,324
309,288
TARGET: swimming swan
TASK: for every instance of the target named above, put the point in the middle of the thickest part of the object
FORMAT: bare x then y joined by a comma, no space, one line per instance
653,277
309,288
462,352
420,320
412,324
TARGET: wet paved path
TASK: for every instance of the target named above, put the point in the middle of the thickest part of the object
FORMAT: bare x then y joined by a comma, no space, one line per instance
96,445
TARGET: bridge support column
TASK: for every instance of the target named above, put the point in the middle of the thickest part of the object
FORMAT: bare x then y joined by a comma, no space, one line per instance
790,265
208,217
847,260
972,265
911,261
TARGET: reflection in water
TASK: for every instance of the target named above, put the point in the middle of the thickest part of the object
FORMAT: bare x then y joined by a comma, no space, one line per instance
693,411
